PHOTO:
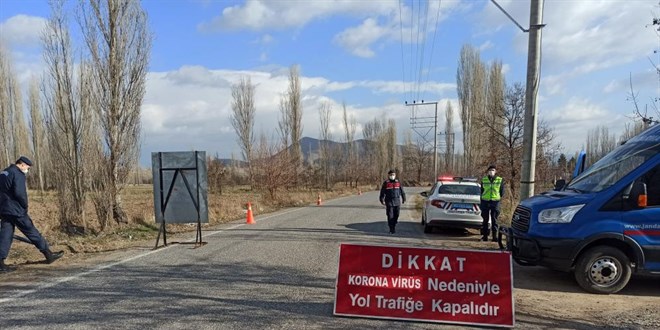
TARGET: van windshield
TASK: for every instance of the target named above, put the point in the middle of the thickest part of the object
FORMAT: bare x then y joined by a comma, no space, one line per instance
615,165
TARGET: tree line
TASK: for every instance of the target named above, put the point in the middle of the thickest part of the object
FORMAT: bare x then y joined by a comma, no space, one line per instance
84,124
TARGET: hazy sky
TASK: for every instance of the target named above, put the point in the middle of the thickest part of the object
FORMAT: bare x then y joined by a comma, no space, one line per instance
372,55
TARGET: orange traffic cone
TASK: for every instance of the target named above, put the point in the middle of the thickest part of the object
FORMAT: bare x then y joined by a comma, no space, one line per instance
250,217
318,200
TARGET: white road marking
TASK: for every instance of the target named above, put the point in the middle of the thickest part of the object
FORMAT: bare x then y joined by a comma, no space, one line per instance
102,267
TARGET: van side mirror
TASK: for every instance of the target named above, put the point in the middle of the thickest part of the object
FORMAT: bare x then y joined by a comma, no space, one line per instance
424,193
637,197
559,184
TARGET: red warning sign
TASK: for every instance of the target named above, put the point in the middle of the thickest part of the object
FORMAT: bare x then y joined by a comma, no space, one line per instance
433,285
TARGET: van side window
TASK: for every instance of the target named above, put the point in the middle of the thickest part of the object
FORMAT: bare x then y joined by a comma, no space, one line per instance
652,180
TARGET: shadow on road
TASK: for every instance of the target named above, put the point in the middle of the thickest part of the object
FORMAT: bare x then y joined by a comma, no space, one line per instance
352,206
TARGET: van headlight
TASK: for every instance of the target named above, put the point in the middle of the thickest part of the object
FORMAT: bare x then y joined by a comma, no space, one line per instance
559,215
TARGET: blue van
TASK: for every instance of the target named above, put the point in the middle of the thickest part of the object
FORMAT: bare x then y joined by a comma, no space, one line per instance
604,225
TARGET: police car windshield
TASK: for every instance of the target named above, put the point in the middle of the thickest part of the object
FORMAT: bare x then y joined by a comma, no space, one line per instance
618,163
457,189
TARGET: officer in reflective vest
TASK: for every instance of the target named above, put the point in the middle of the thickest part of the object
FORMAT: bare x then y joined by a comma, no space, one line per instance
492,191
392,196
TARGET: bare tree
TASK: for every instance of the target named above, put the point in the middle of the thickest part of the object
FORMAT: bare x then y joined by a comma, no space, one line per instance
325,112
295,111
449,137
66,114
392,149
272,167
37,130
510,137
631,131
375,134
119,44
15,140
495,109
471,78
6,105
242,118
350,125
283,127
217,171
599,142
644,115
416,157
18,127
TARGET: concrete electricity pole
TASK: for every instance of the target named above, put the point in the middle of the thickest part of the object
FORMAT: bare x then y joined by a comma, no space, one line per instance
533,78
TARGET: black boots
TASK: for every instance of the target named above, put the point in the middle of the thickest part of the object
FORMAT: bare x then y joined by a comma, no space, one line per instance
4,268
52,256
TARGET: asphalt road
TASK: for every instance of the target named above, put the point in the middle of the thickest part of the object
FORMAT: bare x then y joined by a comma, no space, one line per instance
276,274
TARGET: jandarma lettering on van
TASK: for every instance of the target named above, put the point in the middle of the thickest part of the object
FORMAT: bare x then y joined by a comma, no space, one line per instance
644,226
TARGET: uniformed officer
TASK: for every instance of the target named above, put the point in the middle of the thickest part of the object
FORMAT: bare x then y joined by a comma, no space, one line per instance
392,196
492,191
14,213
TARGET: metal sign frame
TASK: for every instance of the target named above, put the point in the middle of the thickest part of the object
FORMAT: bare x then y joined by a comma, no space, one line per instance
162,196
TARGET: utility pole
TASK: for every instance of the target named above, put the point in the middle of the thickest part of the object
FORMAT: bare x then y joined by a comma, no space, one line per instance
531,103
532,88
424,123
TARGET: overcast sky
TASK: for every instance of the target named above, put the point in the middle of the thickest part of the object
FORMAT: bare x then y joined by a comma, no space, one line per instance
372,55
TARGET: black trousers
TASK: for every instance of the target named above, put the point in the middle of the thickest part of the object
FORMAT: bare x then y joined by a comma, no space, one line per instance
392,216
25,225
489,210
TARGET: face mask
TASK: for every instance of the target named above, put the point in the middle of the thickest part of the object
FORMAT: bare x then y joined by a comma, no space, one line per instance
391,177
25,171
491,173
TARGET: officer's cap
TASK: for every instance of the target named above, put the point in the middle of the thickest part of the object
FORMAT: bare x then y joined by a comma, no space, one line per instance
24,160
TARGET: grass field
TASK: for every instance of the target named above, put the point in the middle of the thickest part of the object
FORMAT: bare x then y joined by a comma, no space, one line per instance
139,206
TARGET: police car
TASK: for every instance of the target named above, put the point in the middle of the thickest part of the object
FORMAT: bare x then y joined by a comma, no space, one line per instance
452,202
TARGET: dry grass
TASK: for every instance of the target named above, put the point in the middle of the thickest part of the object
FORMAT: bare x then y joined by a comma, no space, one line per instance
142,228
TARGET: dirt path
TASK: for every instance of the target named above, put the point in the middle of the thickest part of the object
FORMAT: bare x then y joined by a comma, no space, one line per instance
552,299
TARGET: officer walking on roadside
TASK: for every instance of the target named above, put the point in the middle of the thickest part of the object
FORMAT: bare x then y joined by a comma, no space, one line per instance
392,196
14,213
492,191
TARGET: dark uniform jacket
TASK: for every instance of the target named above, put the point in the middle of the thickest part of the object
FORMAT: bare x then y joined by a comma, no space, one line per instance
391,193
13,192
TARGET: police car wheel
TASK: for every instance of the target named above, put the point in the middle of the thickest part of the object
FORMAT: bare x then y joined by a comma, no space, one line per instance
603,269
428,229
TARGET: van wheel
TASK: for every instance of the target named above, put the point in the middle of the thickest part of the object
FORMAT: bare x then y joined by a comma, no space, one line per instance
603,269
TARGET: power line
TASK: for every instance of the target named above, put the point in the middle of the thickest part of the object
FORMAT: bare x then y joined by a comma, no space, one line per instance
437,20
412,19
419,15
421,58
403,66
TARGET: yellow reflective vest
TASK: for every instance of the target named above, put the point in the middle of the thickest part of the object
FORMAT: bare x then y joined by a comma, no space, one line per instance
491,189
